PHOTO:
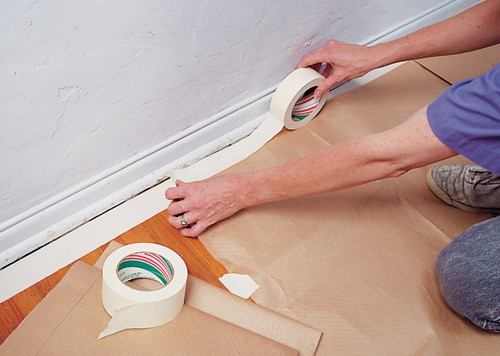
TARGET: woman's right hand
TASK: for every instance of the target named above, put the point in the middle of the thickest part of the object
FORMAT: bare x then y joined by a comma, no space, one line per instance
347,60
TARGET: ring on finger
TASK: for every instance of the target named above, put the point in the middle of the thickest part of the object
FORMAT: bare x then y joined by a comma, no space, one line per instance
183,221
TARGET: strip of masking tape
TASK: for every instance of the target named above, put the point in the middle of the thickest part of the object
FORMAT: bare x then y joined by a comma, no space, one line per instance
101,230
132,308
290,95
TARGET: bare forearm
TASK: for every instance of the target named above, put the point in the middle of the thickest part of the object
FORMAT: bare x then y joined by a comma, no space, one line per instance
342,166
472,29
387,154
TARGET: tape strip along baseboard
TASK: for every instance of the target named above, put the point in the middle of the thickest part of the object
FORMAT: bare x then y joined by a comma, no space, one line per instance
292,106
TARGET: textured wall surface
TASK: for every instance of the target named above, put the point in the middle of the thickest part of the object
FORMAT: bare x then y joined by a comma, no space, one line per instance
86,85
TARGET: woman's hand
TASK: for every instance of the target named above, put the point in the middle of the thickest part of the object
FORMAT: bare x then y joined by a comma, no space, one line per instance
202,204
348,61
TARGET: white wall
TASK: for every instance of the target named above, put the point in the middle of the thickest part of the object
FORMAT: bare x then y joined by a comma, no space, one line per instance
90,89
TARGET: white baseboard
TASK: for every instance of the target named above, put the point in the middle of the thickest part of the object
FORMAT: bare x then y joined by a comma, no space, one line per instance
52,219
62,213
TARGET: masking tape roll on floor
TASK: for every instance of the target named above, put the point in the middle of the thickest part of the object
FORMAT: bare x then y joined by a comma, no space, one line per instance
292,106
131,308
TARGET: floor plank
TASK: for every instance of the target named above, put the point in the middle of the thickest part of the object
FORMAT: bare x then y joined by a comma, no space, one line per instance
156,230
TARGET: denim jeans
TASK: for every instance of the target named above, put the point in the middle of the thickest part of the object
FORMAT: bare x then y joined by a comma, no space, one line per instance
468,270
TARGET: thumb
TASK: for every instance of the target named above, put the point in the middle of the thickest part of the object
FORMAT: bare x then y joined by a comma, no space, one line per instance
179,183
327,84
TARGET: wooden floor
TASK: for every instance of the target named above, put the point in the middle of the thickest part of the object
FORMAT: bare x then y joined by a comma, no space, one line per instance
157,229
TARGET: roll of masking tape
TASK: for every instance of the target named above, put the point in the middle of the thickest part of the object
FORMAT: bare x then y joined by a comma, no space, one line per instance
292,106
132,308
293,102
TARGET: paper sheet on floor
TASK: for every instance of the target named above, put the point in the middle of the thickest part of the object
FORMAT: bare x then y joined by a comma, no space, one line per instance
213,321
356,264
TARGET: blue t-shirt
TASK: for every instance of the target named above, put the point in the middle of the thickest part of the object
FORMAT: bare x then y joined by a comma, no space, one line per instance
466,118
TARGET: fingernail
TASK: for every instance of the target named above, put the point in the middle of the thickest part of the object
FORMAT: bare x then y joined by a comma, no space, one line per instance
317,94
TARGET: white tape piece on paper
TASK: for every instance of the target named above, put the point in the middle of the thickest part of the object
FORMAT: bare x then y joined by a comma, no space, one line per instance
241,285
132,308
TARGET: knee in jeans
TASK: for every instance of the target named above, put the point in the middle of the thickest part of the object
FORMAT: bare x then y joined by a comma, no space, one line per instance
467,289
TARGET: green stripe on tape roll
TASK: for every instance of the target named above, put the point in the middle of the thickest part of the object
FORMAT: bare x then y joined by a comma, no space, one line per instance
137,269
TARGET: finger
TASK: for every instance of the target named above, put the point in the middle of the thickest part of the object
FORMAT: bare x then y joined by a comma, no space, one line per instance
174,193
179,183
175,221
328,83
172,220
302,63
308,61
177,207
194,231
315,57
326,71
318,56
193,216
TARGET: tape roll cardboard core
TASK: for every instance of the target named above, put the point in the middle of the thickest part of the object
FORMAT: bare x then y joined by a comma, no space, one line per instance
145,265
306,105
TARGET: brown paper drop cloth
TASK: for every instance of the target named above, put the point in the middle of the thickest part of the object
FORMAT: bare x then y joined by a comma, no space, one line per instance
358,264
